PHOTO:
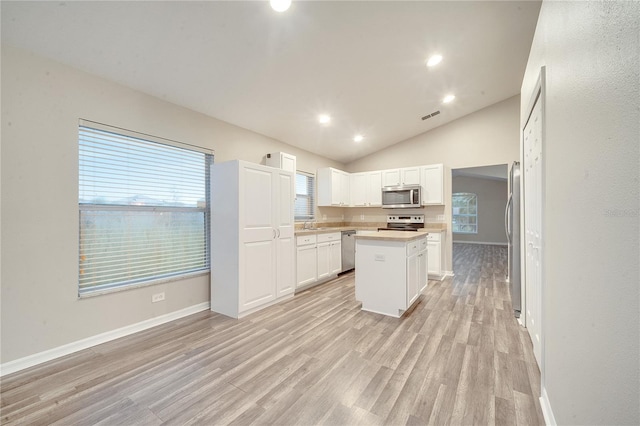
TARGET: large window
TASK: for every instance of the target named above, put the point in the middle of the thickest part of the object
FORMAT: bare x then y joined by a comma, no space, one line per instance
465,213
305,196
144,208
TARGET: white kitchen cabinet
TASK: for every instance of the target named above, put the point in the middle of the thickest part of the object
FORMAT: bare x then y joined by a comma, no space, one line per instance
333,187
390,273
404,176
326,249
329,254
324,253
282,160
413,278
359,189
252,237
435,243
423,260
306,261
366,189
391,177
374,189
432,184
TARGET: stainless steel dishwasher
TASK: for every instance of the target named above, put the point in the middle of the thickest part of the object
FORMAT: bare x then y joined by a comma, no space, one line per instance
348,250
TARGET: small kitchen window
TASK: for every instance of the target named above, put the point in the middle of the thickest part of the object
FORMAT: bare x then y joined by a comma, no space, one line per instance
465,213
143,207
305,196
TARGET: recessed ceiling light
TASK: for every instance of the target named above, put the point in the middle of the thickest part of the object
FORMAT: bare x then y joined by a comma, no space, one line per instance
448,99
324,119
358,138
280,5
434,60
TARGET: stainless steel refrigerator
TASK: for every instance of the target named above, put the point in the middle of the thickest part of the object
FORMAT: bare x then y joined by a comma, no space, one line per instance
512,228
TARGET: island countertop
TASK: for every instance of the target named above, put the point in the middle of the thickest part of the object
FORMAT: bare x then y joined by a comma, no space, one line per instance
401,236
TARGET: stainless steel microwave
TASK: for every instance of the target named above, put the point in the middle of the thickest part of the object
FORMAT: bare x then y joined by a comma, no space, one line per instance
401,197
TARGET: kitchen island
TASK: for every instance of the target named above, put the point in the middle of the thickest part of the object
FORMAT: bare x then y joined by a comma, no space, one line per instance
391,270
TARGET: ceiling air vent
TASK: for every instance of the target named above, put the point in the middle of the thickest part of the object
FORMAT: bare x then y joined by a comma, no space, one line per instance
433,114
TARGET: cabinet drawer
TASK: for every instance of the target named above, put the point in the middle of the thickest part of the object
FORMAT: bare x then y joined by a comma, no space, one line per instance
413,247
434,236
332,236
304,240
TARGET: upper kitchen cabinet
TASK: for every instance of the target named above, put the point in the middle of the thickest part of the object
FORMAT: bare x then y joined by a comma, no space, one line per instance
366,189
282,160
333,187
432,178
252,237
401,177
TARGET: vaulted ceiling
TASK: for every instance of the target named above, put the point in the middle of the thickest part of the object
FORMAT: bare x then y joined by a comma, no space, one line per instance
361,62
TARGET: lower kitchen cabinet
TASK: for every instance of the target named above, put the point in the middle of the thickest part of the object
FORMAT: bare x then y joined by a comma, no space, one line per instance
307,264
391,274
435,242
319,258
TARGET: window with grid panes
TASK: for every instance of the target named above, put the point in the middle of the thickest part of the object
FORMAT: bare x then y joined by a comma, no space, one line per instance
465,213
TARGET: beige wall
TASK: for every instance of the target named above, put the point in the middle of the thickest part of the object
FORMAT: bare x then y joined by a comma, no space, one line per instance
486,137
41,104
492,200
591,230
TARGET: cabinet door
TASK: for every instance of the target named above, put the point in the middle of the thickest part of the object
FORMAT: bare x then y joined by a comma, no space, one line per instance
285,233
423,278
391,177
433,184
257,263
336,193
374,189
335,256
411,176
288,162
324,260
345,194
307,265
433,255
413,285
358,189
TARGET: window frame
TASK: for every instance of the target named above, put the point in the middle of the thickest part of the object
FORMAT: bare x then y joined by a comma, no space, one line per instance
311,197
123,285
454,225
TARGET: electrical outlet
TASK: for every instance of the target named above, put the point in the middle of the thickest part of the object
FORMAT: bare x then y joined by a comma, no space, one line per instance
157,297
441,217
361,217
324,217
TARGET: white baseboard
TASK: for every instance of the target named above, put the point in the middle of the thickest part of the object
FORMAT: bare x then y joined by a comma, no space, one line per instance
48,355
545,405
480,242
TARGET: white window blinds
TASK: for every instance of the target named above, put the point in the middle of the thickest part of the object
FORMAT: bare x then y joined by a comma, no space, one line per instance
144,209
305,196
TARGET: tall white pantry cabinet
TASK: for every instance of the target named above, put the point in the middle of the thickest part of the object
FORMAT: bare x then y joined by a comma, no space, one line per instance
252,237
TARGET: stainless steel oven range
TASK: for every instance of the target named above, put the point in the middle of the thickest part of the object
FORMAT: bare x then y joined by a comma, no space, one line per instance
396,222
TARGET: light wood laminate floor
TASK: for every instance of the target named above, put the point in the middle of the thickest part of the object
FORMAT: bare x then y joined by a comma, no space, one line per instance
458,357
